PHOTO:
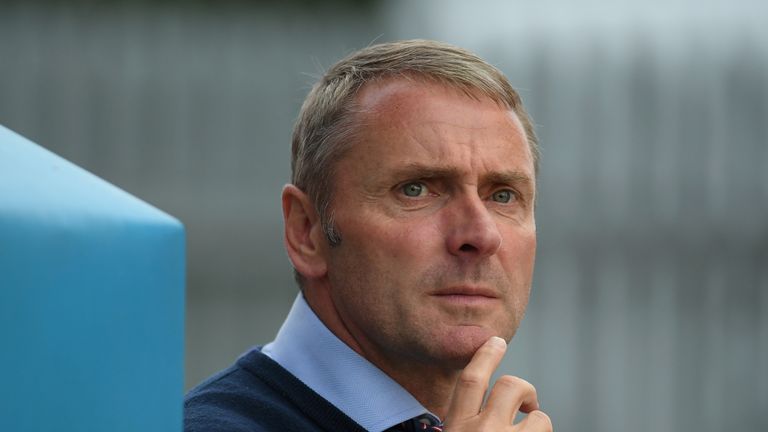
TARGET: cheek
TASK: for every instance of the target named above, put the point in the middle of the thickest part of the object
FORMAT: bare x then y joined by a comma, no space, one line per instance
384,254
404,242
518,251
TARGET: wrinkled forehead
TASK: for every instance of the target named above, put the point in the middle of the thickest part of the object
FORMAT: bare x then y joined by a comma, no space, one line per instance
400,102
394,91
437,120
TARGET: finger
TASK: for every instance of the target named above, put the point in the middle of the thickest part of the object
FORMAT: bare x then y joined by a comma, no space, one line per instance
473,381
535,421
509,395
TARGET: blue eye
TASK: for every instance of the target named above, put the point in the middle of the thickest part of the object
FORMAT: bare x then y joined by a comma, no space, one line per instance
414,189
503,196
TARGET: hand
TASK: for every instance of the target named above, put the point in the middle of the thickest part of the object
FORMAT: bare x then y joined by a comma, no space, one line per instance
509,395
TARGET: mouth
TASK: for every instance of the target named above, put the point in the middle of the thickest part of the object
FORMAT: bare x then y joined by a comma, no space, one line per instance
467,295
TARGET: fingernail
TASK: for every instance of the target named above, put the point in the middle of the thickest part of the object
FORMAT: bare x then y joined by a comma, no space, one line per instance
498,342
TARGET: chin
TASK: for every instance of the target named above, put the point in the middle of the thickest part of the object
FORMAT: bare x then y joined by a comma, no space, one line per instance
459,345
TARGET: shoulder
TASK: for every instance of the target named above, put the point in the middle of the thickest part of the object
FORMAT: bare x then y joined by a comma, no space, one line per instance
236,400
257,394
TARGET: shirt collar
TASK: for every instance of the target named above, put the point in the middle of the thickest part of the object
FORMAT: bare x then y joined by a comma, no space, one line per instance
307,349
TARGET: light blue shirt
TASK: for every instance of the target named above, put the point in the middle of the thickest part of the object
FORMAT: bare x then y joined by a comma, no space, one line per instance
307,349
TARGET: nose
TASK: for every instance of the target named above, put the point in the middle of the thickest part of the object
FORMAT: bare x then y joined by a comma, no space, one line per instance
472,231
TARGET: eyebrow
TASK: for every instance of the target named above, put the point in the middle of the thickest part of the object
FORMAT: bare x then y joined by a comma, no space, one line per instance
422,171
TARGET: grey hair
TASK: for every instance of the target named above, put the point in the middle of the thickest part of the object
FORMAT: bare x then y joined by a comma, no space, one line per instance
327,122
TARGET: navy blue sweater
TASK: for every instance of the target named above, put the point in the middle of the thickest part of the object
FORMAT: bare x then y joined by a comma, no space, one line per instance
257,394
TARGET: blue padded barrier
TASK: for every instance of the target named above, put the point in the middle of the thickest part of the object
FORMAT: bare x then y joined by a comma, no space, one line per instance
91,301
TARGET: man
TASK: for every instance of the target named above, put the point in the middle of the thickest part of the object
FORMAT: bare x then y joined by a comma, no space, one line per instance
410,224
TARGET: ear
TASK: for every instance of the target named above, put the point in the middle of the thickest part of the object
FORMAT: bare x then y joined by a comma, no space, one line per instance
303,233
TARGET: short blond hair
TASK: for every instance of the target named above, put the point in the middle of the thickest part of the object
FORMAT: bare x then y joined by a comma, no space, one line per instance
327,122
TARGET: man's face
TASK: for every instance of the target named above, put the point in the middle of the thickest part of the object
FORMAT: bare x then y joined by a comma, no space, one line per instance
434,204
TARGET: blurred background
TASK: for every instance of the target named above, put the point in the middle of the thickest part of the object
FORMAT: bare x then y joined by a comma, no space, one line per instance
650,302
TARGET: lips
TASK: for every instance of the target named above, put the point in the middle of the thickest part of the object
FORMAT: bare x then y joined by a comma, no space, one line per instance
466,296
467,291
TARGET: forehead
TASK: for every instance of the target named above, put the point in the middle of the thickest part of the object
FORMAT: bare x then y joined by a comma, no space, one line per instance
402,118
395,94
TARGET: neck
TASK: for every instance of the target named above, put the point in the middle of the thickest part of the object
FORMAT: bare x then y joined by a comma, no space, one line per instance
432,386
